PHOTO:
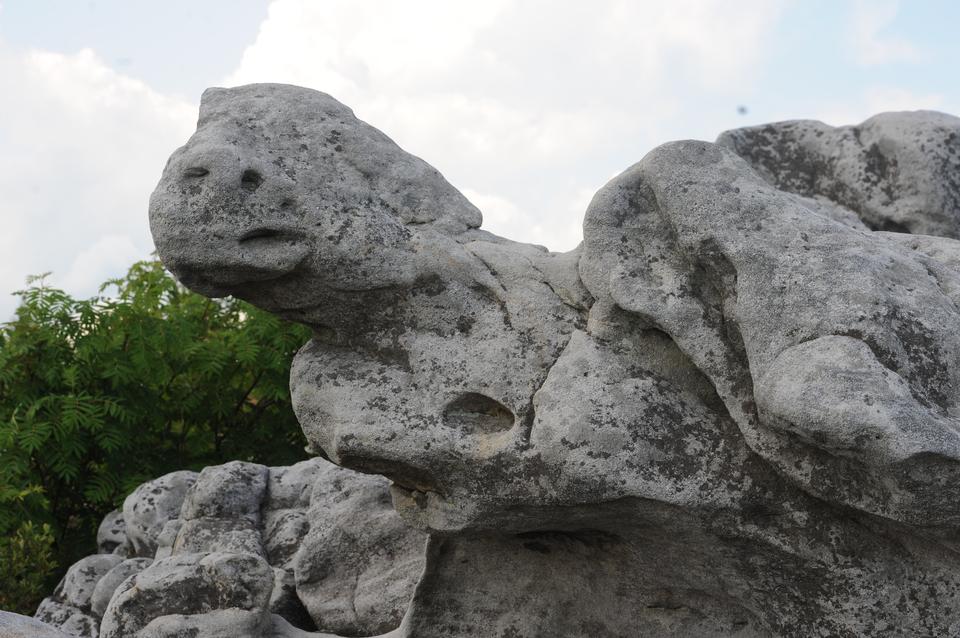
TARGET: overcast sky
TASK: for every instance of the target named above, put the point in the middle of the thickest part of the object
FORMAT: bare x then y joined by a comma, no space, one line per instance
527,106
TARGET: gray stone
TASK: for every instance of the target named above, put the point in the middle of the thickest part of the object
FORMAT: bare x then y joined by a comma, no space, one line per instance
67,618
225,623
76,587
112,533
733,411
358,565
108,583
236,542
222,623
167,537
833,349
17,626
70,608
896,171
221,512
187,584
150,506
284,526
231,491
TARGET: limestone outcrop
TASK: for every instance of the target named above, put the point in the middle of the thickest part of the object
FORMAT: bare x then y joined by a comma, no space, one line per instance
17,626
733,410
895,172
247,549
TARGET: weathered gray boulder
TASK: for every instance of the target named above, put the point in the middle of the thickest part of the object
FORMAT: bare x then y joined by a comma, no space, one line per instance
112,533
356,568
17,626
896,171
241,552
108,583
221,514
188,583
148,509
70,608
317,545
68,618
733,411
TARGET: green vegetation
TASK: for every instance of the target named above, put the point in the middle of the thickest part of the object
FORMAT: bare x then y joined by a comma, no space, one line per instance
99,395
26,554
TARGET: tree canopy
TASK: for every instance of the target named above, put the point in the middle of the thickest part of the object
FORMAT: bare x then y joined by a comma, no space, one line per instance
98,395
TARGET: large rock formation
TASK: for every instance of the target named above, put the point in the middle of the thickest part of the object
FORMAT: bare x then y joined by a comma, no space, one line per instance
733,411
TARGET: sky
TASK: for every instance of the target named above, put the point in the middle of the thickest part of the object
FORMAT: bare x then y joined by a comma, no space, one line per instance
527,106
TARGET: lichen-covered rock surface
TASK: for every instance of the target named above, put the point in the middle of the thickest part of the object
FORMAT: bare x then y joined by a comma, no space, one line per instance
245,550
895,172
17,626
734,410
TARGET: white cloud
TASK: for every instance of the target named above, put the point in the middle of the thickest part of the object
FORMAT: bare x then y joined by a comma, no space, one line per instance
871,45
878,99
107,257
81,148
530,104
507,219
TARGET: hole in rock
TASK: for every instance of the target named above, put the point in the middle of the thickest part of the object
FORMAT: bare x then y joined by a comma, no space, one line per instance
478,414
259,233
545,541
889,226
251,180
403,474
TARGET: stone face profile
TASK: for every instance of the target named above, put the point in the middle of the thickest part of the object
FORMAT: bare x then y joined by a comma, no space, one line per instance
733,410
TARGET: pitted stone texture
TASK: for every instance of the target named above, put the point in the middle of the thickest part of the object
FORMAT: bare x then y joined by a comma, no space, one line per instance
285,521
216,536
150,506
260,183
896,171
221,511
284,527
17,626
68,619
244,517
112,534
732,372
76,587
187,584
70,606
231,491
108,583
226,623
846,379
357,568
167,537
457,328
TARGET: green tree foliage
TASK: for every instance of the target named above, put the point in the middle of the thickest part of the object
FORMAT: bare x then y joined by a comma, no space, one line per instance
26,557
99,395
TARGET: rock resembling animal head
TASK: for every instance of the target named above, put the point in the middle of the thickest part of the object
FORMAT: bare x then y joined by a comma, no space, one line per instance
283,197
738,376
463,366
431,337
